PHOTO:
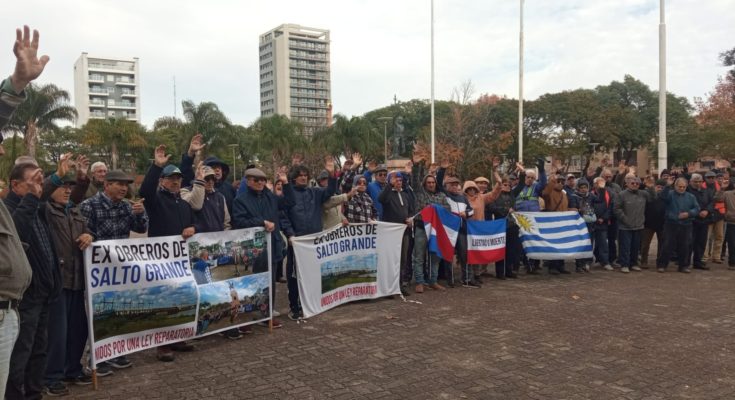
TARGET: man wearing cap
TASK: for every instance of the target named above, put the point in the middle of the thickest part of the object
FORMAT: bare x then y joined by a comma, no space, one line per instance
570,185
376,186
701,221
169,215
629,207
14,268
109,216
210,207
67,315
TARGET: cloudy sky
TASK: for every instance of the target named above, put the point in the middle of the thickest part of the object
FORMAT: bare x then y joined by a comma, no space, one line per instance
380,48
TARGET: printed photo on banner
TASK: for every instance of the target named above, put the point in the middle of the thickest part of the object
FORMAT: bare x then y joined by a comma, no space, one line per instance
135,310
233,302
349,270
225,255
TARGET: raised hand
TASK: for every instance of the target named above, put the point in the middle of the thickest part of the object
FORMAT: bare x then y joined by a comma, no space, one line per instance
64,165
196,144
27,65
444,164
621,167
297,159
200,171
35,183
496,162
160,158
356,159
409,167
329,165
372,165
283,174
82,165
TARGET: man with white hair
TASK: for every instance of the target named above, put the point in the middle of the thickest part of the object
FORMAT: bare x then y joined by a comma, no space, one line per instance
97,184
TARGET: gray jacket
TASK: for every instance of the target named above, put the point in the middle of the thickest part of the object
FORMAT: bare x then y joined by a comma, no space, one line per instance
15,271
630,209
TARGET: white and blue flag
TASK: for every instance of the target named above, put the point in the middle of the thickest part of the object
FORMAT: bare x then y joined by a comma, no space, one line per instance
554,235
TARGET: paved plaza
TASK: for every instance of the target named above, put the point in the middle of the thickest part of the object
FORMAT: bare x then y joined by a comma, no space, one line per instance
603,335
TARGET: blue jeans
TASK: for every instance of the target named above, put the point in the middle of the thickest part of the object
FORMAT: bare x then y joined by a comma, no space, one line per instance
630,245
67,326
9,326
419,258
599,239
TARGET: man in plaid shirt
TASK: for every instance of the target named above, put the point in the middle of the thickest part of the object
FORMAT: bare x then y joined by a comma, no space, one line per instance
360,208
108,215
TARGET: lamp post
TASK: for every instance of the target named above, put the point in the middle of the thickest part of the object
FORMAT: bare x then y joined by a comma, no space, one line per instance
432,83
385,135
234,167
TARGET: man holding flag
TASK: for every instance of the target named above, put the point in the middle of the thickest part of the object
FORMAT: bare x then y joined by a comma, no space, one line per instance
426,196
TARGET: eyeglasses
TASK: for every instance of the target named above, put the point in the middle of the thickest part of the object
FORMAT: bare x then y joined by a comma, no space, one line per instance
257,179
361,183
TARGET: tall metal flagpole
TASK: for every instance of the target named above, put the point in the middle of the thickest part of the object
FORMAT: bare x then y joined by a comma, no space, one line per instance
662,148
520,91
433,152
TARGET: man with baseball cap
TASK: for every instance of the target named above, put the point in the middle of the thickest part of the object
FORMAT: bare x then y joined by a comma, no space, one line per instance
169,215
380,173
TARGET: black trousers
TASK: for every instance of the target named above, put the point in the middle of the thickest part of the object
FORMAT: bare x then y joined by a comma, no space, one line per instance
730,240
293,285
28,359
675,237
699,242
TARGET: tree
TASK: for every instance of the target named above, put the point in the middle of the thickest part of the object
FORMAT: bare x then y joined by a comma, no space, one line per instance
43,108
728,60
56,142
273,140
716,119
110,137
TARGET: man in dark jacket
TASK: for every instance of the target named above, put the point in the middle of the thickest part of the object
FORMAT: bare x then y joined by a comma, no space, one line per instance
398,208
258,206
28,360
67,315
305,214
14,268
701,221
654,225
603,205
169,215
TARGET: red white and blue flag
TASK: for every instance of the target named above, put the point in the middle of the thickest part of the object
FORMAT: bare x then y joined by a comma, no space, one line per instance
442,229
485,241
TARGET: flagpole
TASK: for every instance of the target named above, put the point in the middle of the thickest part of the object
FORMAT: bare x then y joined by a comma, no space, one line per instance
433,150
662,148
520,89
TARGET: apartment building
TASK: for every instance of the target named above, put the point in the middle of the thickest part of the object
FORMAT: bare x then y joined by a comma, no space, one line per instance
294,75
106,88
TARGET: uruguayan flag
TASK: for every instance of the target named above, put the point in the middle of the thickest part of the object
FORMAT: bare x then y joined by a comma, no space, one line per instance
554,235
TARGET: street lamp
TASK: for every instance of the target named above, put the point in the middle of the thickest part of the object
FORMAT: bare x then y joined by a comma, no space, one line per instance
385,135
234,166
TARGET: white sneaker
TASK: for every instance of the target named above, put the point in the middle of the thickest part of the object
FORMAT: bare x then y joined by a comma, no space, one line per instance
625,270
608,267
276,313
586,268
636,268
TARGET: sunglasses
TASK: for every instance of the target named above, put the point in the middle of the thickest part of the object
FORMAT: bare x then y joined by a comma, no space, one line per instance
361,183
210,178
258,179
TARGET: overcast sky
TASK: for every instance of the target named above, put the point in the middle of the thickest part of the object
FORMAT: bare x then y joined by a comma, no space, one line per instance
380,48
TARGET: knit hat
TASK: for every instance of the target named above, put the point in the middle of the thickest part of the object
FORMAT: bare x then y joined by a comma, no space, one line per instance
583,182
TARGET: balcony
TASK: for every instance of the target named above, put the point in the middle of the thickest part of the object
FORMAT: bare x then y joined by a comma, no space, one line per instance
129,93
307,46
97,115
100,104
303,65
295,83
122,106
96,78
318,77
116,67
132,117
310,95
315,57
98,92
125,82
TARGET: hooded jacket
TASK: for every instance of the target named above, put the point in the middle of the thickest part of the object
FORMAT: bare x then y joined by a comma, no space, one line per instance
305,206
222,186
424,197
252,209
480,200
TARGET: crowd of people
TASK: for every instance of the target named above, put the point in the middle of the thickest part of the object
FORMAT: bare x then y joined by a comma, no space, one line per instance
47,220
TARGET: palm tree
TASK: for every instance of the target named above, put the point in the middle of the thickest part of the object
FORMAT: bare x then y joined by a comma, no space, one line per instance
275,139
43,107
121,135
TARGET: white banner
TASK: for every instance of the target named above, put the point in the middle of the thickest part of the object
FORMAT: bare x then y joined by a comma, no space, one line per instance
149,292
343,264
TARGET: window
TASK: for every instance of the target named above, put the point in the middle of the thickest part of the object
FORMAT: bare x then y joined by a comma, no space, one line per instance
111,89
110,102
110,78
